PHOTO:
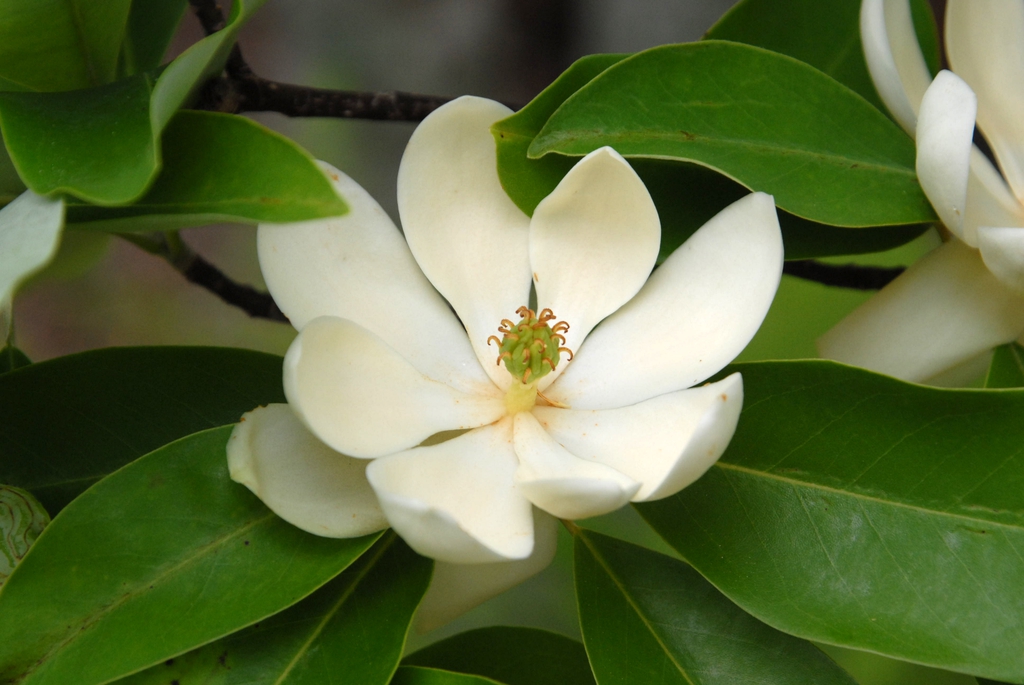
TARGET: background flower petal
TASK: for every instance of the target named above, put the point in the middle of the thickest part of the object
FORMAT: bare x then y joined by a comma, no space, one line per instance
593,243
561,483
468,237
697,312
301,479
1002,250
985,45
945,130
363,399
457,501
664,443
894,58
944,310
359,267
457,588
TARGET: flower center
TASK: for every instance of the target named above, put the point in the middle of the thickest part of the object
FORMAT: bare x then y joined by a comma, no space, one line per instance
531,349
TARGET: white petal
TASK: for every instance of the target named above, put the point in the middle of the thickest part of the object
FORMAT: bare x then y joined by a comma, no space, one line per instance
467,235
301,479
360,397
945,309
1002,249
989,200
562,484
894,57
665,443
963,374
944,134
697,312
358,267
593,243
30,229
985,44
457,501
457,588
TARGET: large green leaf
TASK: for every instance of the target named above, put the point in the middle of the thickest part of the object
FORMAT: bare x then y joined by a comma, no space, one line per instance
825,35
770,122
70,421
512,656
686,195
102,144
418,675
647,618
151,26
349,632
1007,367
218,168
158,558
858,510
60,44
96,143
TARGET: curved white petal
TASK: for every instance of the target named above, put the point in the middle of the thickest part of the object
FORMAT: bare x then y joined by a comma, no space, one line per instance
30,230
361,398
989,200
664,443
358,267
468,237
457,588
593,243
963,374
458,501
697,312
945,309
562,484
894,58
945,130
985,44
301,479
1002,250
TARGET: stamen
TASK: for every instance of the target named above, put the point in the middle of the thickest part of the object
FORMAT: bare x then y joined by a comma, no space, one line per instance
497,340
546,315
552,402
526,374
560,327
559,336
567,351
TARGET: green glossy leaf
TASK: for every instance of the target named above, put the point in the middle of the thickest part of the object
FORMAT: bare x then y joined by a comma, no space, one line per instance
1007,367
151,26
647,618
30,230
22,519
60,45
158,558
221,168
69,422
418,675
11,185
349,632
825,35
779,126
12,358
107,149
102,144
510,655
857,510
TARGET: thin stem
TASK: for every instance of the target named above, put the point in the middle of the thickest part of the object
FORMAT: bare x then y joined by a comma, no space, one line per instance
171,248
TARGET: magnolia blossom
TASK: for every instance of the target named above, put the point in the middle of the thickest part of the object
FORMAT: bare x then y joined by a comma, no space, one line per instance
939,320
468,432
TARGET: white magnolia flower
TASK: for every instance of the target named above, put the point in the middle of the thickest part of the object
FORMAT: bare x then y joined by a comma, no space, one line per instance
565,420
939,321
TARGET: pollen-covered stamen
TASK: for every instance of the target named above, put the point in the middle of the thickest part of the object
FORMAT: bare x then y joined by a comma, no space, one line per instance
531,348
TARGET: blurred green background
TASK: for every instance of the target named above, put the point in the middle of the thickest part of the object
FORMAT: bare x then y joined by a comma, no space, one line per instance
103,291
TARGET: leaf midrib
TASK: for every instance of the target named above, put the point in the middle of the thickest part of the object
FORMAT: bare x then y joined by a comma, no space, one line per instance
866,498
90,620
757,146
647,624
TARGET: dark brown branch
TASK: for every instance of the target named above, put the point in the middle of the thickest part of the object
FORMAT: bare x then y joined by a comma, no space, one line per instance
853,276
195,269
210,15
